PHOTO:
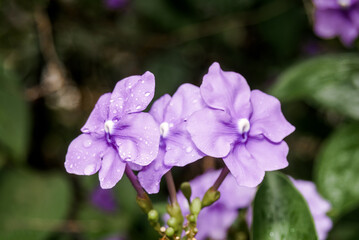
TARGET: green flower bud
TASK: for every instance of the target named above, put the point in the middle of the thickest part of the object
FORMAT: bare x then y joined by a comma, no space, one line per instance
144,203
172,222
210,197
192,218
196,206
153,215
186,190
170,232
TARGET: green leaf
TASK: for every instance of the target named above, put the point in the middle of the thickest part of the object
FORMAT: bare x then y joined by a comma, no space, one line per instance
330,81
32,205
280,211
14,117
337,169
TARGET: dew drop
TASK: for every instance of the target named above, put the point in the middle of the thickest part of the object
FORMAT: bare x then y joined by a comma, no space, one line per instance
71,166
147,94
138,107
189,149
87,143
90,169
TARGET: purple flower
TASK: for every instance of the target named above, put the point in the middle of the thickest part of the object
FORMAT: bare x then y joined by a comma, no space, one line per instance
318,207
103,199
117,133
215,220
246,128
176,146
337,18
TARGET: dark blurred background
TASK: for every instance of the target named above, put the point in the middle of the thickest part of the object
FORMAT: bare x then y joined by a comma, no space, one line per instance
58,56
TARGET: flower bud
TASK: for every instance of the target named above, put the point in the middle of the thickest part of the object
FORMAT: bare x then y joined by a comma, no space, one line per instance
196,206
152,215
144,203
170,232
172,222
186,190
210,197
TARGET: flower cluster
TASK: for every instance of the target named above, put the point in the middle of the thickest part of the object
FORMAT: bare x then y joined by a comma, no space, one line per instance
215,220
337,18
221,118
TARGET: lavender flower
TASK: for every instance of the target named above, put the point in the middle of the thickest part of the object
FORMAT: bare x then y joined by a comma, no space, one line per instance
245,128
337,18
318,207
215,220
117,133
176,146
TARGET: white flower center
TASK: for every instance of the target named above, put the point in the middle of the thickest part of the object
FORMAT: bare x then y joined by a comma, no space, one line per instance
109,126
164,129
344,3
243,125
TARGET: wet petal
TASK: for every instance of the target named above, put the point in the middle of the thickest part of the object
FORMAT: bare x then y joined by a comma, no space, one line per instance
151,175
186,100
112,169
159,107
180,150
132,94
227,91
267,117
84,155
270,156
244,167
211,131
95,122
137,135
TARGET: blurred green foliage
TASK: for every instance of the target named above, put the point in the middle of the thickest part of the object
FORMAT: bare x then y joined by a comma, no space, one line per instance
58,56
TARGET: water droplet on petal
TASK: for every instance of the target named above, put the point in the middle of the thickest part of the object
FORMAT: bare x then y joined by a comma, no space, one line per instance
189,149
147,94
90,169
138,107
87,143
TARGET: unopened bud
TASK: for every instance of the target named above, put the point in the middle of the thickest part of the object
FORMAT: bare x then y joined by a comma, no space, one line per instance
196,206
144,203
153,215
210,197
170,232
186,190
172,222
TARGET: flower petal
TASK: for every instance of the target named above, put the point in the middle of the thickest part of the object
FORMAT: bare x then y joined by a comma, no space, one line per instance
112,169
244,168
227,91
327,23
214,222
180,150
139,135
270,156
150,176
159,107
186,100
211,132
267,117
84,155
320,4
95,122
132,94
